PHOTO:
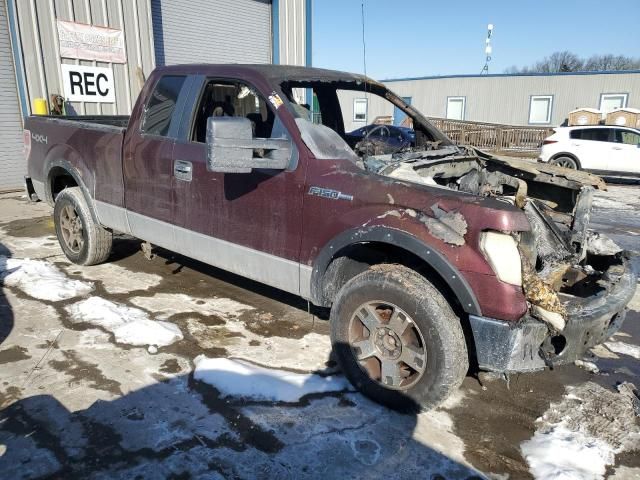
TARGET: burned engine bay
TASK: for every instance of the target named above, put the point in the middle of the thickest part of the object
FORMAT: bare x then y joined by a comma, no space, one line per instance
562,261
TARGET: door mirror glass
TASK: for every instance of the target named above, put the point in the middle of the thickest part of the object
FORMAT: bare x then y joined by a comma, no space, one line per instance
231,147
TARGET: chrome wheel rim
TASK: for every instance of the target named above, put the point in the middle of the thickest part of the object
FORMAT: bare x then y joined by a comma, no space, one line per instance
388,345
71,229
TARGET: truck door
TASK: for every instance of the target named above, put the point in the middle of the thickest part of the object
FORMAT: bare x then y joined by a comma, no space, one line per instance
625,151
246,223
147,164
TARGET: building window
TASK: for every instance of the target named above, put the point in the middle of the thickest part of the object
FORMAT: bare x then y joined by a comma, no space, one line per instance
540,109
359,109
456,107
610,101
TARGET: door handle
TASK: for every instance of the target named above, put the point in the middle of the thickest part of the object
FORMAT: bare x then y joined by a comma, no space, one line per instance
183,170
617,148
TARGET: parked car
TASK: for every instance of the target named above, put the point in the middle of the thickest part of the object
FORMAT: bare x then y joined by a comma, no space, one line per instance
428,258
606,150
381,138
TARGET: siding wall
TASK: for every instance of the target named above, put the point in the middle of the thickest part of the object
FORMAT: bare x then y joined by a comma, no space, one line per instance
212,31
292,16
38,37
12,160
502,98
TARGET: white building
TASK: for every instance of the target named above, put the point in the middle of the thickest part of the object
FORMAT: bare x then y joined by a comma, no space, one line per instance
510,99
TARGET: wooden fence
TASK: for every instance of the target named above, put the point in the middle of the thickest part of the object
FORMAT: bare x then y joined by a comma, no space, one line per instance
524,141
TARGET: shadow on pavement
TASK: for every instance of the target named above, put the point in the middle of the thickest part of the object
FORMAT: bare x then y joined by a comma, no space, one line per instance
6,314
182,428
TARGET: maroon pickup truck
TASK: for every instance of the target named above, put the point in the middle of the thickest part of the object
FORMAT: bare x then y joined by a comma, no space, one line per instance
434,258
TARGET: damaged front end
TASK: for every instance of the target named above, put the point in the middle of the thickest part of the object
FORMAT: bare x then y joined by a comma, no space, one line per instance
577,283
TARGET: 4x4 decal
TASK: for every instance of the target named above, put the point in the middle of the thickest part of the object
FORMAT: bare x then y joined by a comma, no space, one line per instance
328,193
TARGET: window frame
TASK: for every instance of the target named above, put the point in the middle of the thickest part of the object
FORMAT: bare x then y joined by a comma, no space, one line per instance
464,107
608,129
551,99
364,100
176,114
618,94
193,114
621,130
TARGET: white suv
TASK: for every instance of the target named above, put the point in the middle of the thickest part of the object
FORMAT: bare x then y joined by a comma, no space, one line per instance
607,150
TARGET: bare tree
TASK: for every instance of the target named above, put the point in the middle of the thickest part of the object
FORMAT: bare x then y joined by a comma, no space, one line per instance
610,62
559,62
569,62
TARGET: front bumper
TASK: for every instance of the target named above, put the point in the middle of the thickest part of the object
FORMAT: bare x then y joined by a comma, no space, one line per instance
528,345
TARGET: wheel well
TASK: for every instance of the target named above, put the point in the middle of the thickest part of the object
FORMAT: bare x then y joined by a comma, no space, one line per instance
567,154
59,179
356,258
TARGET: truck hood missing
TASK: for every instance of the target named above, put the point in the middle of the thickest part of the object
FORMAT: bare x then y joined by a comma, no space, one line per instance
561,260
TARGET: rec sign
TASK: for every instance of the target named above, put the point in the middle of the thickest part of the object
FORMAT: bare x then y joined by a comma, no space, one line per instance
88,84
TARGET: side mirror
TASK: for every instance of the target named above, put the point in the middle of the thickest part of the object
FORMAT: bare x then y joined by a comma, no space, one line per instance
231,147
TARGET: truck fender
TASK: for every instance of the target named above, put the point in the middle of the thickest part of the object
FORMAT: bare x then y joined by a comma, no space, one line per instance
396,238
73,172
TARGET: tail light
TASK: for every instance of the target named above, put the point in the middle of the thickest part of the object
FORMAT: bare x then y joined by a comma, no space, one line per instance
549,142
26,138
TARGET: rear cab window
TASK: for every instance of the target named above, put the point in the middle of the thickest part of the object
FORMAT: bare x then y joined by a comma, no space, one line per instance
161,116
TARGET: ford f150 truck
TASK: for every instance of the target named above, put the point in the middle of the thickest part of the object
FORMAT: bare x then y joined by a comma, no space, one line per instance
434,258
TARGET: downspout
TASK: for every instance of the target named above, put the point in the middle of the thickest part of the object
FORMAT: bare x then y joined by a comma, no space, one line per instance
275,32
16,51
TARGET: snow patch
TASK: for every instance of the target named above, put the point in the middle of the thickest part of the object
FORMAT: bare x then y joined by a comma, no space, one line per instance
129,325
579,436
168,304
560,453
242,379
40,279
624,349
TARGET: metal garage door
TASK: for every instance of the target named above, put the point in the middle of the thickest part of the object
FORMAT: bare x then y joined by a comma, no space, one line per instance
12,164
212,31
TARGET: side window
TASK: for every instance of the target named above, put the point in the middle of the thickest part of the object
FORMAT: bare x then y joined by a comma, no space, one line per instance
575,134
596,134
161,105
222,98
627,137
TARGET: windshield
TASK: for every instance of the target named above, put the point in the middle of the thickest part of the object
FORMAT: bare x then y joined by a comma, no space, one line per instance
365,118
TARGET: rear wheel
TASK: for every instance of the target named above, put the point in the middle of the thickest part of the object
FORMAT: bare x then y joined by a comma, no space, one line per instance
397,338
83,240
566,162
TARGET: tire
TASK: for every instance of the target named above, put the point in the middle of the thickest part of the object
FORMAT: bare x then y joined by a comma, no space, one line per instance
566,162
82,240
431,334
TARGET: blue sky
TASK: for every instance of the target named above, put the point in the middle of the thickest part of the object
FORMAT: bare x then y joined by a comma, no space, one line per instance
415,38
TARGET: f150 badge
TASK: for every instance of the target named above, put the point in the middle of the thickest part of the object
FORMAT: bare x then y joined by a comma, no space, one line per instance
328,193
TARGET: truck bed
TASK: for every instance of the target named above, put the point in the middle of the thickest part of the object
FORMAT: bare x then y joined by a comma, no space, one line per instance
90,145
120,121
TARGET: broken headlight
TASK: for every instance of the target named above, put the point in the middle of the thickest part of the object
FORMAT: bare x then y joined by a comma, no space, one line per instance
501,251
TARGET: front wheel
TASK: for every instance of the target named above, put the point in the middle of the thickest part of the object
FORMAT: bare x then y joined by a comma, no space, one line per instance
397,339
566,162
82,239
